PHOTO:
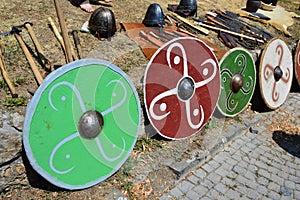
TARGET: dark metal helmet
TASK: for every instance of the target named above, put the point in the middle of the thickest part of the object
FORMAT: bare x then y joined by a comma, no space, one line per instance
102,23
154,16
253,5
187,6
273,2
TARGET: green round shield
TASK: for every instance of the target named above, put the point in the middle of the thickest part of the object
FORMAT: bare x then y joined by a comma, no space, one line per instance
238,79
82,123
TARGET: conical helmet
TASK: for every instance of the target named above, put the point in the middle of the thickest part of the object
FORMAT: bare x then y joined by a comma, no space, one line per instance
189,6
272,2
154,16
102,23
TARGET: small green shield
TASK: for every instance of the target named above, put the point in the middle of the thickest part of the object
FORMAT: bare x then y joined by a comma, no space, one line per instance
82,123
238,79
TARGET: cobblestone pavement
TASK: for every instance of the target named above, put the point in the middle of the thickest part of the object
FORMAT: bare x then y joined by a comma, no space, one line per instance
261,164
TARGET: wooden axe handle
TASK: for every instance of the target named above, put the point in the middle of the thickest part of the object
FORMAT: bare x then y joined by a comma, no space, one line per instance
63,29
60,39
29,57
6,76
56,33
38,47
77,43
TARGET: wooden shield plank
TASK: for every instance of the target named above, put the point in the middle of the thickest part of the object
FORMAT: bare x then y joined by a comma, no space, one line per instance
275,73
181,87
238,79
297,63
82,124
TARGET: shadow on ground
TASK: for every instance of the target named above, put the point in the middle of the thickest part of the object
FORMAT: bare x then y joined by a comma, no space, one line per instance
290,143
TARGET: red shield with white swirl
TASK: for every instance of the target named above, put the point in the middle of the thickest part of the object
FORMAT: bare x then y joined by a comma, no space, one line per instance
297,63
181,87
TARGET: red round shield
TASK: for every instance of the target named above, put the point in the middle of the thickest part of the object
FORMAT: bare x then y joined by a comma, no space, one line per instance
297,63
181,87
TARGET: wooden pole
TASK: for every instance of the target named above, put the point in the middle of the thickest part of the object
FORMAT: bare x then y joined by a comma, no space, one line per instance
38,47
229,32
64,31
29,57
6,76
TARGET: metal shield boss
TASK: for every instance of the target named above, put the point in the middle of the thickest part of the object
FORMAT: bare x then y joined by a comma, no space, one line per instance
275,73
181,87
297,63
238,79
82,124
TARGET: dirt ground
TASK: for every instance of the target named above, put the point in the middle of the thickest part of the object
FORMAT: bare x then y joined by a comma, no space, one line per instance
16,12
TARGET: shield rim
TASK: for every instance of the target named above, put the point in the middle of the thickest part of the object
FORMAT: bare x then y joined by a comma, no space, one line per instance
295,63
260,71
31,107
221,61
145,76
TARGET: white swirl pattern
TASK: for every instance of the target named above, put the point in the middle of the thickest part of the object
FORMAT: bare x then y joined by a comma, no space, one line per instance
174,91
76,135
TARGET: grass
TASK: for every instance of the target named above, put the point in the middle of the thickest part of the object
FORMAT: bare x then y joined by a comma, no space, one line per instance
146,144
12,102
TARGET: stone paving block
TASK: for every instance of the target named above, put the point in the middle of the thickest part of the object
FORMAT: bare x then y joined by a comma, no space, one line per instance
292,165
207,183
274,195
200,190
262,190
250,175
241,179
208,168
231,161
289,170
235,145
214,178
240,142
297,195
176,192
239,170
277,179
262,181
222,172
221,157
193,179
228,182
213,194
290,184
261,164
185,186
193,195
220,187
214,164
283,174
295,179
243,164
246,149
231,175
264,173
252,184
276,164
285,191
272,170
232,194
237,157
297,186
274,186
200,173
252,194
